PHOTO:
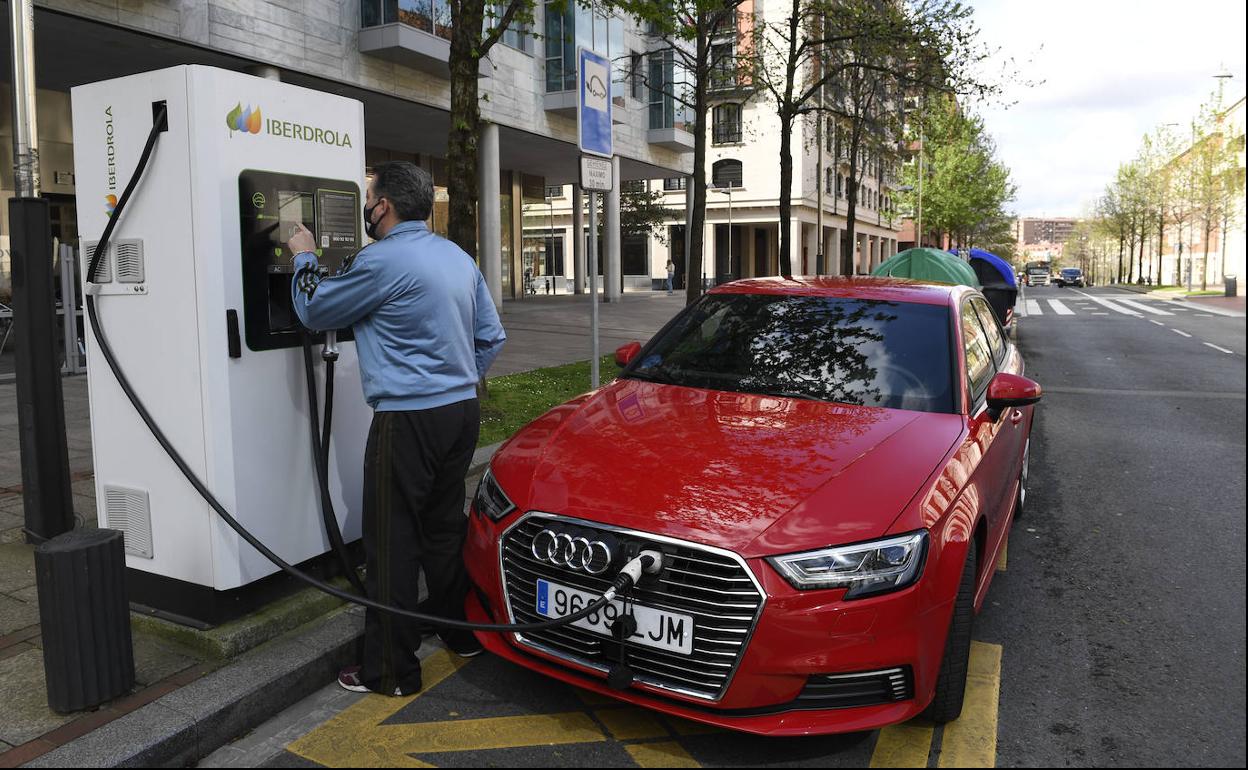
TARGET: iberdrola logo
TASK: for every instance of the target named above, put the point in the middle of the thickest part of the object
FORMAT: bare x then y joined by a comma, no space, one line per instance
110,204
243,120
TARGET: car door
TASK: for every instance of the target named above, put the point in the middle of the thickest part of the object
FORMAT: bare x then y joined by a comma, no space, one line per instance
990,475
1013,423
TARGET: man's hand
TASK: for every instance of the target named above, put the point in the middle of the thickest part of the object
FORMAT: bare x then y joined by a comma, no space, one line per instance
301,240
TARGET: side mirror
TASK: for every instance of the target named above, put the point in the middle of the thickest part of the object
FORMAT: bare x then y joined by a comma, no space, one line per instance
1010,390
625,354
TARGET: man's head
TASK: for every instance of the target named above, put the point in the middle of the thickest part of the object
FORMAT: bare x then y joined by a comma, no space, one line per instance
400,192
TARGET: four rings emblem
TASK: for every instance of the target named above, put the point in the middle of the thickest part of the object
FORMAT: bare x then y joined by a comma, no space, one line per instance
574,552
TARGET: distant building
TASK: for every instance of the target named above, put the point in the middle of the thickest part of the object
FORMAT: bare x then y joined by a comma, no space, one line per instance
1042,237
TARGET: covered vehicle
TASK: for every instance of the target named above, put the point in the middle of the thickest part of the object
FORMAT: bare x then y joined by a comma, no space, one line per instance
923,264
998,283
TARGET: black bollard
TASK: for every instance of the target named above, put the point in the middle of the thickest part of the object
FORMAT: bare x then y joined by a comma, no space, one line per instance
84,615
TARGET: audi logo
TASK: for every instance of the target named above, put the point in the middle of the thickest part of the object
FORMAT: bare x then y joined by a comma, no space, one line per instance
579,553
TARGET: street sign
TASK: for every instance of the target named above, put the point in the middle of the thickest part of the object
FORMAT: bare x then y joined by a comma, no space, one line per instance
593,104
595,174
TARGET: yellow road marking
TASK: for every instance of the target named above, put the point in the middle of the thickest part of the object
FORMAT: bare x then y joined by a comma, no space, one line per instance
498,733
667,754
904,745
1001,562
971,741
630,724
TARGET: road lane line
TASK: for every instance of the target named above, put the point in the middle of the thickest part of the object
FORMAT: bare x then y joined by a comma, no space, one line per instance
1207,309
1100,314
667,754
904,745
1179,331
1060,307
1111,305
1218,347
1159,323
1033,307
971,740
1144,307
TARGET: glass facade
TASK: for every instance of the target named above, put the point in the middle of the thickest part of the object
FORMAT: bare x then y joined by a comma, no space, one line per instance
569,25
432,16
670,91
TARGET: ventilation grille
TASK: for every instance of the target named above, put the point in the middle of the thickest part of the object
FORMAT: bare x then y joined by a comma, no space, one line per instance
128,510
129,256
104,273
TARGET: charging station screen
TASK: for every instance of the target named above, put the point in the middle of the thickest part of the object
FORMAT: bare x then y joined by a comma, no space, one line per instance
295,208
339,215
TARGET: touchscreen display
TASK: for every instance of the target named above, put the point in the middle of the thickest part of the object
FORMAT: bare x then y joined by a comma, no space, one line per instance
294,208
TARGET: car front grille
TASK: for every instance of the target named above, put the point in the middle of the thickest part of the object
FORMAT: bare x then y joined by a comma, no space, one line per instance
868,688
711,585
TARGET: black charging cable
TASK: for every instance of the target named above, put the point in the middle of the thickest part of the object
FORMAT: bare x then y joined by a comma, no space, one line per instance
626,579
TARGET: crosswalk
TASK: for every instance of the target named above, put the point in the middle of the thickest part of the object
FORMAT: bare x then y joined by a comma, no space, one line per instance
1099,306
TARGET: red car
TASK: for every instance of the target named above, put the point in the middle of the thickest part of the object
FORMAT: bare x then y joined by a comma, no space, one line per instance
829,467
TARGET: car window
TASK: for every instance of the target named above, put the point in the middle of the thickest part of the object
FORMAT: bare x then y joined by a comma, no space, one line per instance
863,352
996,340
979,367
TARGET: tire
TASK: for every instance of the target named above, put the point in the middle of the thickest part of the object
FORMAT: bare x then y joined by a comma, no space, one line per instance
946,704
1020,497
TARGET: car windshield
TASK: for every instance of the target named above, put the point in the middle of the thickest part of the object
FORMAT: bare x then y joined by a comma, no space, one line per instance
850,351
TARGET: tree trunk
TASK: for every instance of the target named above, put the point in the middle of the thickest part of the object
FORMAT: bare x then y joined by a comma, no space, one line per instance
786,194
1204,261
461,153
851,198
1139,273
1161,245
1118,275
697,225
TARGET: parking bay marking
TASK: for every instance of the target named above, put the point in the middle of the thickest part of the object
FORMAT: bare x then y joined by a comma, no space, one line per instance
971,741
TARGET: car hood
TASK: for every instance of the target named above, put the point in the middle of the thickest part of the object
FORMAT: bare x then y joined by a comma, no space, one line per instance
755,474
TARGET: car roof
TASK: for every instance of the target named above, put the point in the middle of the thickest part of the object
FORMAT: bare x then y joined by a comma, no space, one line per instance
856,287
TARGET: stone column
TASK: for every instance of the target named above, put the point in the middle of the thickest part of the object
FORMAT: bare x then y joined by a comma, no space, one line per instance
578,240
611,275
834,251
796,254
489,214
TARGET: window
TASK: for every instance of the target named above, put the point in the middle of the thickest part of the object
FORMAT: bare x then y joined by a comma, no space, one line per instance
569,25
996,340
668,86
829,136
840,185
554,191
637,76
827,181
979,367
633,186
726,173
675,183
726,124
517,36
723,66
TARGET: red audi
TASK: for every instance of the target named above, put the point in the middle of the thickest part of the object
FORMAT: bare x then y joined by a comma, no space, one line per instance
828,467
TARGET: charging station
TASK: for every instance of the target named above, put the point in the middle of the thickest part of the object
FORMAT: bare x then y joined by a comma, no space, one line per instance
194,294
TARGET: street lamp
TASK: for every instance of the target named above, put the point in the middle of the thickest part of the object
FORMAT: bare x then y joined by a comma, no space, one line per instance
727,190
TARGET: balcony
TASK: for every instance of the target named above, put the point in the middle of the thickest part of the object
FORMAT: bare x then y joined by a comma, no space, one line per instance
413,33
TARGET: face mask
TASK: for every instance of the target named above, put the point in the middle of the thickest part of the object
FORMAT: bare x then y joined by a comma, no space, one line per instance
370,226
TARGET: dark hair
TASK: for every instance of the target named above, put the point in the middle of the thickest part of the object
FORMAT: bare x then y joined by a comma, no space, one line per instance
408,187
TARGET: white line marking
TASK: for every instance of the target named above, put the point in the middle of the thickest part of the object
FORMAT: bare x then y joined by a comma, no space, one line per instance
1100,314
1204,315
1033,307
1060,307
1159,323
1207,309
1185,334
1142,306
1224,350
1111,305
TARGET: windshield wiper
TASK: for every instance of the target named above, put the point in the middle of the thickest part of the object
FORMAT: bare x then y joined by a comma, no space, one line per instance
788,394
651,376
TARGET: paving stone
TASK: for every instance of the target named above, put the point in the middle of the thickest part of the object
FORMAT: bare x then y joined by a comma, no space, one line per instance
156,659
17,566
153,735
25,715
16,614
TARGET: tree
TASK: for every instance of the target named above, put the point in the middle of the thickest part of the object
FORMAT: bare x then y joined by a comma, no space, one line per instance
1212,161
476,25
681,35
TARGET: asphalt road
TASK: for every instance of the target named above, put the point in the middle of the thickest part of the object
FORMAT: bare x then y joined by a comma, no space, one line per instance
1118,619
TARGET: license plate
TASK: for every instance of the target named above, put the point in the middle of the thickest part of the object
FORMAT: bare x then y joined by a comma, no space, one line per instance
660,629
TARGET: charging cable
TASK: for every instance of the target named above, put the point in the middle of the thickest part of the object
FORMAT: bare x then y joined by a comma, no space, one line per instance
647,562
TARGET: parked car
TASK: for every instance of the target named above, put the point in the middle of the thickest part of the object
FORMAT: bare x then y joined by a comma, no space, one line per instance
1070,276
830,467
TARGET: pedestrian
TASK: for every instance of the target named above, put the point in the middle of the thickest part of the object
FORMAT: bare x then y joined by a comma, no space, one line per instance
426,332
671,274
548,285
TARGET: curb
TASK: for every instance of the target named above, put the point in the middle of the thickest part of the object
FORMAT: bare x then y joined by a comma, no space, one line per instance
188,724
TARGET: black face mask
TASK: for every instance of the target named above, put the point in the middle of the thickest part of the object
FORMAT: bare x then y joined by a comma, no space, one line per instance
370,226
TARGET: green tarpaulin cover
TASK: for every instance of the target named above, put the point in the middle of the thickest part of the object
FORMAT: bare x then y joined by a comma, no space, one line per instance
927,265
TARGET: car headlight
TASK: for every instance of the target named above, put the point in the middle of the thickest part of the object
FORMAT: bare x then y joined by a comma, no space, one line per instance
490,499
866,569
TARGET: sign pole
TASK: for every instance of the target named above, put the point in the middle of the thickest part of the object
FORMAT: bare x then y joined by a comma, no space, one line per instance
594,138
593,290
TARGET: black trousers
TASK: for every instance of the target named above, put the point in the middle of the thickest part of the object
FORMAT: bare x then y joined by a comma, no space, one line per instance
414,469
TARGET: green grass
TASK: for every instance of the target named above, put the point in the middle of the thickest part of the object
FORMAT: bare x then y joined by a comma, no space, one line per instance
1206,293
514,400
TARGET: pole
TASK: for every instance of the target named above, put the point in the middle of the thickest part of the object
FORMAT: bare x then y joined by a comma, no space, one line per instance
819,188
69,309
593,290
918,221
46,496
730,232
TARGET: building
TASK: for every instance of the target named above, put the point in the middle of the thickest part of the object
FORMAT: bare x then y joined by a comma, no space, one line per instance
741,237
1042,237
391,56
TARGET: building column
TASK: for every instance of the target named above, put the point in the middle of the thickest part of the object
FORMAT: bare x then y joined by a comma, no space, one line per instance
611,276
796,255
578,240
489,212
863,255
747,251
833,258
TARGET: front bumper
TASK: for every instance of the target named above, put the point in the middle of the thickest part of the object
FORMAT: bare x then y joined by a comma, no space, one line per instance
800,637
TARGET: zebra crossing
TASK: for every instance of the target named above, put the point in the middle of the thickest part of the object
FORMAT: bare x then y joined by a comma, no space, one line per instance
1086,304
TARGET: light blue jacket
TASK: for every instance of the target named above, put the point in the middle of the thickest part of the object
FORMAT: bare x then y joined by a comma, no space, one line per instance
426,329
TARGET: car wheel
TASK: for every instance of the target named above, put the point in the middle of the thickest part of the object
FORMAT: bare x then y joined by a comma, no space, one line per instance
946,704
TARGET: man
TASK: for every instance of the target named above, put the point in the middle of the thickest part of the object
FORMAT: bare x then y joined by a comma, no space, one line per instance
426,331
671,274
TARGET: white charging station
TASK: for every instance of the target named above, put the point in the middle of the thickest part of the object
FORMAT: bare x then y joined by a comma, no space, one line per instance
191,298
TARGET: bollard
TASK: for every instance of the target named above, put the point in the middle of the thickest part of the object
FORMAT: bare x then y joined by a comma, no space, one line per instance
84,616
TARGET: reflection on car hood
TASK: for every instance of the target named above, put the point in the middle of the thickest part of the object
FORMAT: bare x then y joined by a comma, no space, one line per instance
755,474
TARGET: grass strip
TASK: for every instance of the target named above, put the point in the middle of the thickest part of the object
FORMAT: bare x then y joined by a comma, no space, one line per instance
515,400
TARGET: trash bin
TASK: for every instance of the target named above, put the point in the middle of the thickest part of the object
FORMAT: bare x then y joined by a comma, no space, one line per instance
84,618
1232,286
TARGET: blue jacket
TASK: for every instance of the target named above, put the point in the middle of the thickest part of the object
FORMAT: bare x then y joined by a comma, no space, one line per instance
426,329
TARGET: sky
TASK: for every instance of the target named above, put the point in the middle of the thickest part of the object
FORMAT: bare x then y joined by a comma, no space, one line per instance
1102,74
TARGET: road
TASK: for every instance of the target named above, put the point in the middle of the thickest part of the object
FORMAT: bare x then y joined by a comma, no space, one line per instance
1113,633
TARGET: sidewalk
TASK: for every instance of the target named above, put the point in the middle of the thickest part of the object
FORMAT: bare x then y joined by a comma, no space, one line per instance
191,699
1229,304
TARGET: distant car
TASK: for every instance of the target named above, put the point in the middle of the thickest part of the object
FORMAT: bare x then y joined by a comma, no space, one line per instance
1070,276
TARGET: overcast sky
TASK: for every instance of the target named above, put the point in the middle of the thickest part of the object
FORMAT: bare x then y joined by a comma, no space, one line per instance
1111,71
